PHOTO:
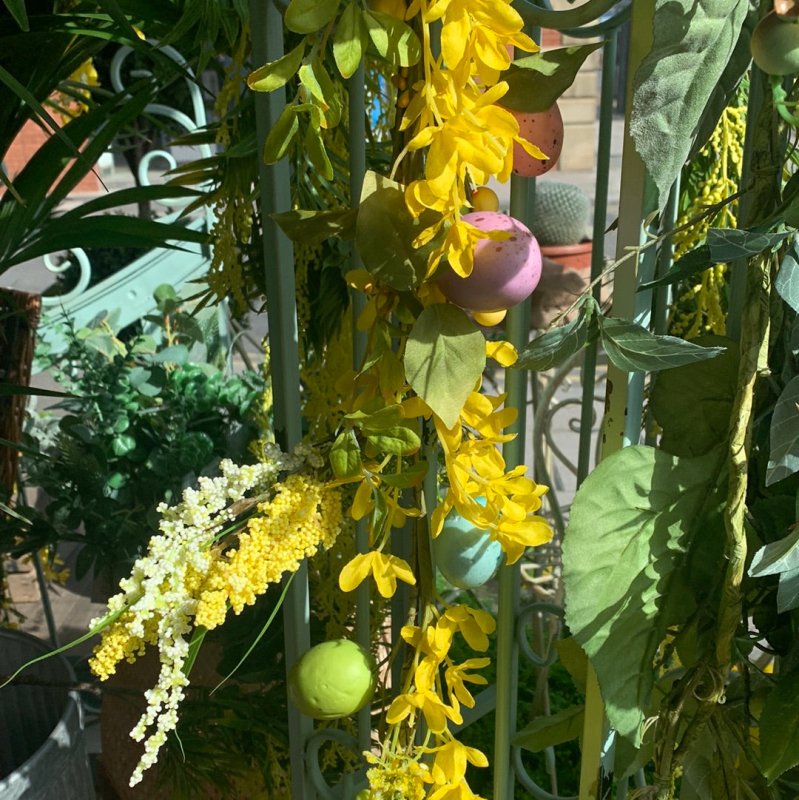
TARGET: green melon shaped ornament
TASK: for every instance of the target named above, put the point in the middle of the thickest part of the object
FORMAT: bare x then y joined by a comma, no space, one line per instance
333,680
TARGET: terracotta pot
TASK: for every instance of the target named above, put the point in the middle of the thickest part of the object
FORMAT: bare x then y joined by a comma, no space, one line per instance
571,256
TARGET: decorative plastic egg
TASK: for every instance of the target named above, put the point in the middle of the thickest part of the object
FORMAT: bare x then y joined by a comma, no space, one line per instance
332,680
505,272
545,130
464,554
775,45
485,199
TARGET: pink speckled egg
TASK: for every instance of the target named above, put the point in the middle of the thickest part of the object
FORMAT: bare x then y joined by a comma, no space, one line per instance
504,274
545,131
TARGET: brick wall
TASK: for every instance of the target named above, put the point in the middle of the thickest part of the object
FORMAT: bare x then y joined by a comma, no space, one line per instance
579,105
22,149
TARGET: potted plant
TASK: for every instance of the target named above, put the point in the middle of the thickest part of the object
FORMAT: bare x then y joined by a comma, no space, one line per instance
560,222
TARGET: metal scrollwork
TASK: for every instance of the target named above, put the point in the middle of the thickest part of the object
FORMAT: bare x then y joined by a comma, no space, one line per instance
188,122
350,783
84,266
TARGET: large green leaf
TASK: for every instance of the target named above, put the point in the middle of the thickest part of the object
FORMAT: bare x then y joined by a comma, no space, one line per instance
444,359
549,731
693,40
632,525
730,244
784,453
535,82
556,346
633,348
723,93
779,726
692,404
384,234
777,557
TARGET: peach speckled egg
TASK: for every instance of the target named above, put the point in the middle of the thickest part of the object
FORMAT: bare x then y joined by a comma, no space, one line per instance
505,272
545,131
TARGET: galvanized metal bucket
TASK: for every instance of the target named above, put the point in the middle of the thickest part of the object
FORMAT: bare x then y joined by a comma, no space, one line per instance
42,752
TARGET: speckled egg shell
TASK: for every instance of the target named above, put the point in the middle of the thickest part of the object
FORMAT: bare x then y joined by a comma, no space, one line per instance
505,273
545,131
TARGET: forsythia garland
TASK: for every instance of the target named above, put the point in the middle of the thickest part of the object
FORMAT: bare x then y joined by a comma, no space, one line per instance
226,542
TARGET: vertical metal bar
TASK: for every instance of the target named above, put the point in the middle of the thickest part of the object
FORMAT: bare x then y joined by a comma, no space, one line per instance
598,249
617,429
275,195
356,91
518,332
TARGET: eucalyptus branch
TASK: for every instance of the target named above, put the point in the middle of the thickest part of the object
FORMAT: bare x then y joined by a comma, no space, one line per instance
755,328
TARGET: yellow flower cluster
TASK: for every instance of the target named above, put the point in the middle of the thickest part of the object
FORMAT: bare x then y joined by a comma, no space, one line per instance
476,469
724,152
397,778
424,697
456,115
302,516
187,578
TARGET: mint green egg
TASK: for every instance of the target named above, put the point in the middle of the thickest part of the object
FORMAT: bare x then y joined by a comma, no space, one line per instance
464,554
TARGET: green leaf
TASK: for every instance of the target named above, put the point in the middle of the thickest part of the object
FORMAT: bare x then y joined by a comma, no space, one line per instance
723,93
393,39
554,347
309,16
345,456
384,234
574,660
692,404
444,359
174,354
106,231
784,437
400,440
633,348
777,557
692,263
411,475
12,390
787,281
535,82
350,40
314,227
692,42
314,77
275,74
779,727
279,138
788,591
632,524
317,154
17,10
550,731
730,244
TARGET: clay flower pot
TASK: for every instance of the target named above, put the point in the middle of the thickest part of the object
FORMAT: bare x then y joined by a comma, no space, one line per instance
571,256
